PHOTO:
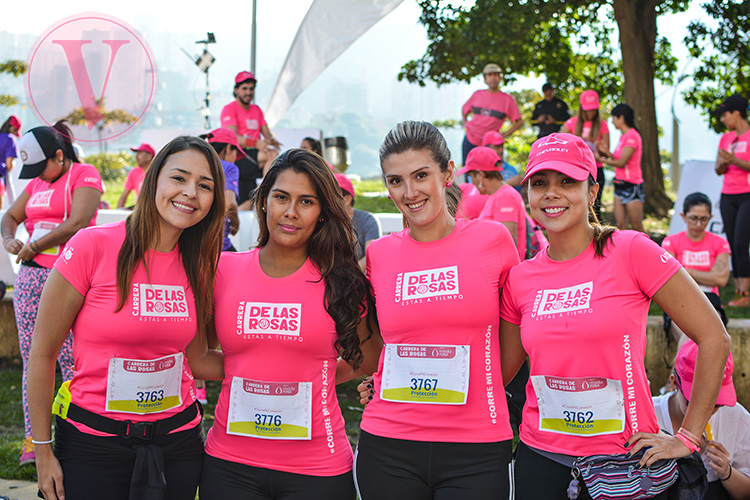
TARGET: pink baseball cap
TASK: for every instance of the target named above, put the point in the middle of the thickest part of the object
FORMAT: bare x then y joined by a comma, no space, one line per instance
15,122
345,183
243,76
589,100
494,138
482,158
564,153
684,366
225,136
146,148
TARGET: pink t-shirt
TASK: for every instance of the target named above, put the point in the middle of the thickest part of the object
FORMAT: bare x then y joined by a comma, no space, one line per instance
631,172
506,205
472,202
276,330
488,111
49,204
736,180
443,293
699,255
158,320
248,121
570,124
585,318
135,180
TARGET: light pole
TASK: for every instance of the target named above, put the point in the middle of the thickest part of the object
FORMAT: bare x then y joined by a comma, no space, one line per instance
676,138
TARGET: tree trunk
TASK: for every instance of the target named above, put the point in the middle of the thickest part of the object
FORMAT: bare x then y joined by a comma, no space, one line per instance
636,20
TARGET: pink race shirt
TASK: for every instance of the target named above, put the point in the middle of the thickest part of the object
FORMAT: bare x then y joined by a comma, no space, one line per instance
49,204
472,202
506,205
736,180
135,180
699,255
488,111
583,325
570,124
248,121
276,332
157,321
443,293
631,172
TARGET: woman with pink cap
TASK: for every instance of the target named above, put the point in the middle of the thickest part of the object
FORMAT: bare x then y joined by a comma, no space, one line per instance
578,311
725,444
589,126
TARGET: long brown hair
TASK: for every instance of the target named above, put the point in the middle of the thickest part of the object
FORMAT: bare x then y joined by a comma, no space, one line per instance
331,248
602,232
199,245
596,126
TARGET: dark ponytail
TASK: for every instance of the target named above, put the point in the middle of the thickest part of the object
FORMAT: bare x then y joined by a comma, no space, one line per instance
66,138
602,232
626,112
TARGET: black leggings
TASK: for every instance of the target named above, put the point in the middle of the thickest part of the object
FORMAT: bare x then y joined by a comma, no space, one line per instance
735,212
540,477
423,470
225,480
97,467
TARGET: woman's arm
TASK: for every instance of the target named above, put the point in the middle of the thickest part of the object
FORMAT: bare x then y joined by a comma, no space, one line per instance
721,162
205,363
717,276
689,308
82,210
564,130
371,348
625,155
59,305
728,158
14,216
512,353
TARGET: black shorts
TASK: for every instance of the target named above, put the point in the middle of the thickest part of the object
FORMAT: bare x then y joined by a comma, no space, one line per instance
387,468
627,191
225,480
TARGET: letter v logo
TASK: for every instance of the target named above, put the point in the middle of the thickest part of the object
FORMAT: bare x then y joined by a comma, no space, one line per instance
94,70
74,55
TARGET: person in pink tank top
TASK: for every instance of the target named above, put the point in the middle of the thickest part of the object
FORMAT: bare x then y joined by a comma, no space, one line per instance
285,312
134,293
578,311
62,198
437,423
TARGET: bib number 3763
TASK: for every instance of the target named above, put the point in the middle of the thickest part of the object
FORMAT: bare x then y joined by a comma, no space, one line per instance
427,374
144,385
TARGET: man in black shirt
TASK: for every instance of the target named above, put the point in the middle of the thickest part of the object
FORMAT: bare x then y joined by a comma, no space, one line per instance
549,114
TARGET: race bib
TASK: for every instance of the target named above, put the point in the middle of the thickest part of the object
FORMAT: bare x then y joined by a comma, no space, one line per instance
586,406
270,410
426,374
43,228
144,386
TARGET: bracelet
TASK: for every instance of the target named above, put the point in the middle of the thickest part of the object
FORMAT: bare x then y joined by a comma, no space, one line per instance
730,474
34,244
692,437
52,441
690,445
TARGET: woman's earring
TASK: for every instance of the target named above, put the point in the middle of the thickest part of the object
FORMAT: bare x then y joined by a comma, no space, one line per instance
389,197
321,219
263,209
447,184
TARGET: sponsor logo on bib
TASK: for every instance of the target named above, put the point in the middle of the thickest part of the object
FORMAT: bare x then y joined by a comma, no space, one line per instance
417,285
563,300
695,258
40,199
269,318
159,301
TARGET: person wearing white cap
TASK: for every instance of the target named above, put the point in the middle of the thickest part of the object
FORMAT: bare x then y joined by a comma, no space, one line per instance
61,199
578,312
725,444
488,110
253,134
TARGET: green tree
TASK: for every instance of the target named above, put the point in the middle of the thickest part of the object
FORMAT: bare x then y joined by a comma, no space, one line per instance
567,41
723,48
107,118
15,68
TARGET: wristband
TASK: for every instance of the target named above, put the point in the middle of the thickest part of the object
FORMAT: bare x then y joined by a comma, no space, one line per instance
692,437
34,246
52,441
730,474
690,445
